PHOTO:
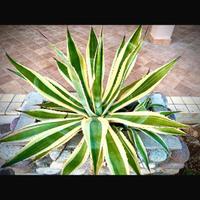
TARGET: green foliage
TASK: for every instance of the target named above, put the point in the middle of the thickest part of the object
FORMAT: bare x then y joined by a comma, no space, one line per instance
97,113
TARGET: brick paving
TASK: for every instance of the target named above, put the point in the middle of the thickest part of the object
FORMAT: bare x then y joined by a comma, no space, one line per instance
26,45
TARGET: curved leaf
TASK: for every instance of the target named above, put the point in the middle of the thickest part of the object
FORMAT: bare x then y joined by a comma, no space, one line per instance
144,86
141,148
94,130
90,54
144,119
50,114
157,139
98,74
43,141
115,154
130,152
36,129
128,47
44,87
76,159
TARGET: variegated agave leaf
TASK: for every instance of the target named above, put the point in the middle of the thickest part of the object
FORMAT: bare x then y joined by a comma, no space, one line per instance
95,111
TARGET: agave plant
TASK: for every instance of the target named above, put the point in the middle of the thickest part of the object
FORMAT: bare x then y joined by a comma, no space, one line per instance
109,134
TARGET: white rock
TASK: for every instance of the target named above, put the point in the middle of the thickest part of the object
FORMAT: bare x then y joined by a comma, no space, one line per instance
47,171
8,150
65,155
151,165
146,171
56,165
80,171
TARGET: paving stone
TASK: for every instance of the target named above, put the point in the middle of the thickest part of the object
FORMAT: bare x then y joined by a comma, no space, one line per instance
32,46
177,100
196,100
172,107
3,107
11,110
188,100
169,100
7,97
19,98
181,108
193,108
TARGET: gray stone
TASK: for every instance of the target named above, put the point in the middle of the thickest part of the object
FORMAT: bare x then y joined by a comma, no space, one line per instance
13,124
44,162
169,172
7,171
104,171
63,157
9,150
157,155
171,165
22,170
173,142
146,171
47,171
79,171
74,142
1,162
182,155
30,102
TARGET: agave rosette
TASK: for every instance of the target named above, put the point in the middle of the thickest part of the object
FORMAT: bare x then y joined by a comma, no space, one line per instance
108,134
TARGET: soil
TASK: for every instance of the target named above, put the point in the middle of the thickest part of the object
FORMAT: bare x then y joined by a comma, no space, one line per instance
192,139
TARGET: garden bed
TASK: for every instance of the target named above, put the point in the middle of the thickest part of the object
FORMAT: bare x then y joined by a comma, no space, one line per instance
160,163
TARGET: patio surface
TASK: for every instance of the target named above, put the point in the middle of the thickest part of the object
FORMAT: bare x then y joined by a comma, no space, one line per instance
26,45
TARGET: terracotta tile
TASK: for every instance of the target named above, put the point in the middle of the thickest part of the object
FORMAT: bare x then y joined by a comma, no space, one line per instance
5,79
30,48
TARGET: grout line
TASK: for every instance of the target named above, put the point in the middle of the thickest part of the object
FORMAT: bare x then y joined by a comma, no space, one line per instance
9,104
